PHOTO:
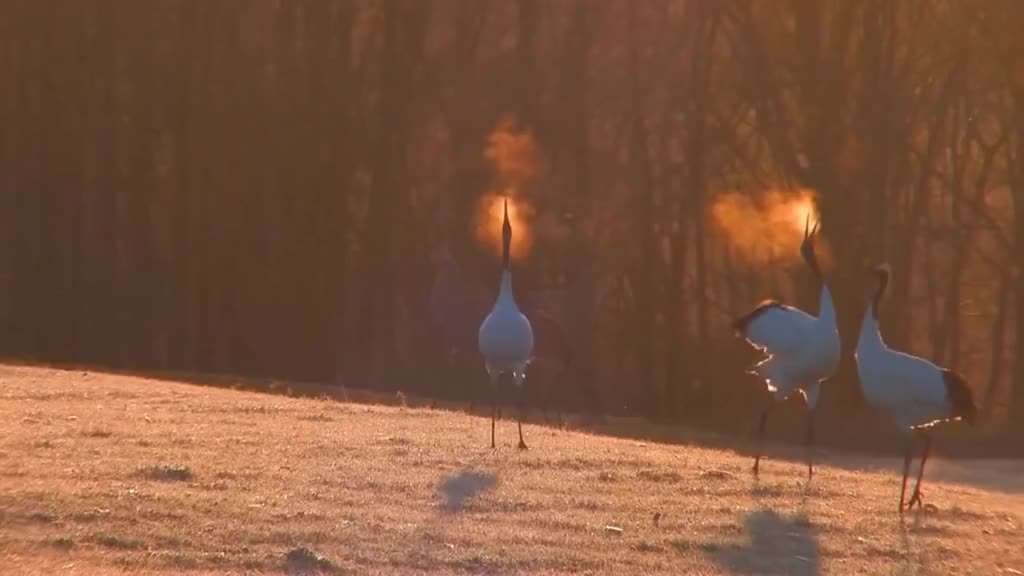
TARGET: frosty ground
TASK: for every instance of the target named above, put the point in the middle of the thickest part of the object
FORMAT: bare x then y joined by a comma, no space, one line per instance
111,474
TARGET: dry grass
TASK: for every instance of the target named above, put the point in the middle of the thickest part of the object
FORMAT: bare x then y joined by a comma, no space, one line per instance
108,474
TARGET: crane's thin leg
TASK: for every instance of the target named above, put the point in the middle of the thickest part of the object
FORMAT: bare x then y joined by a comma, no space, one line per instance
494,403
810,445
916,495
519,387
906,470
760,438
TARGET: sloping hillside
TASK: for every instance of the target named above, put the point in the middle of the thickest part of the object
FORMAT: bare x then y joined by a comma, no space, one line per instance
113,474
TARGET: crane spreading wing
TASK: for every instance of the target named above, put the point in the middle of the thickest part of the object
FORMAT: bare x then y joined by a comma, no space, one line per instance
775,328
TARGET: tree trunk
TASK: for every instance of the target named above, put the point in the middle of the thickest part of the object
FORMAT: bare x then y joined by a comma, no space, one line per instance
377,317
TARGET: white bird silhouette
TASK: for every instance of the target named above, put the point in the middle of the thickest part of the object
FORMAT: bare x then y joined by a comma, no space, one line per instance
912,391
505,338
803,350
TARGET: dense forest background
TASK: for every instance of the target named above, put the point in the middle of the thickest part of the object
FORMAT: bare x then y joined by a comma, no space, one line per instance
301,189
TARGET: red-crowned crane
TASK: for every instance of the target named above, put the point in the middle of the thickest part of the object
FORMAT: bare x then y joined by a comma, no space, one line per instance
803,350
912,391
505,338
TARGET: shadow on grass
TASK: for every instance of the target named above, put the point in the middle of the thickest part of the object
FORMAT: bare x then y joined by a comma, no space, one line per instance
458,489
776,545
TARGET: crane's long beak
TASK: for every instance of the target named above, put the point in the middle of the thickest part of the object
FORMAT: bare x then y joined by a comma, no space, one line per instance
809,231
506,238
807,246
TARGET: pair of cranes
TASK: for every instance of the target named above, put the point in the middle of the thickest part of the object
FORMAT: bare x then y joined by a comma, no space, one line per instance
802,351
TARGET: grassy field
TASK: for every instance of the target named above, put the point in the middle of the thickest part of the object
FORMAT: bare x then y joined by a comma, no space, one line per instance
104,474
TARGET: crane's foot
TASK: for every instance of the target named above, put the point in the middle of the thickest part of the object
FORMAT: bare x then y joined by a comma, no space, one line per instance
915,498
522,445
755,469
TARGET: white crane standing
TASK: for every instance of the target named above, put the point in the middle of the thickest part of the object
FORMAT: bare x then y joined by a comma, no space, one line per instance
913,391
803,350
505,338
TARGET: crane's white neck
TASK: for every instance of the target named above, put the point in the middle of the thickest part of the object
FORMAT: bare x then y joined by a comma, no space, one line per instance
826,309
506,297
870,334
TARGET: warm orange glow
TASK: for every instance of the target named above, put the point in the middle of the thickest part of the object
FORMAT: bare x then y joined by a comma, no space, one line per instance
490,214
768,226
513,155
802,211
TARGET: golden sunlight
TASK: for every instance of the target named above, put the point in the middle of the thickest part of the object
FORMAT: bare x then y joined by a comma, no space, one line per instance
514,157
490,215
802,209
768,226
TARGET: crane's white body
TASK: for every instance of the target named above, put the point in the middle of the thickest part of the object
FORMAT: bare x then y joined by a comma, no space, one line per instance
914,392
910,390
802,349
506,337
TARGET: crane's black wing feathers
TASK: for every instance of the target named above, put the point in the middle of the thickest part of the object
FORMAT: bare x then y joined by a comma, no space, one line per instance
740,324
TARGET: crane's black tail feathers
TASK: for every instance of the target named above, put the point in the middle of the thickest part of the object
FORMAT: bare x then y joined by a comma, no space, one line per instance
960,396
